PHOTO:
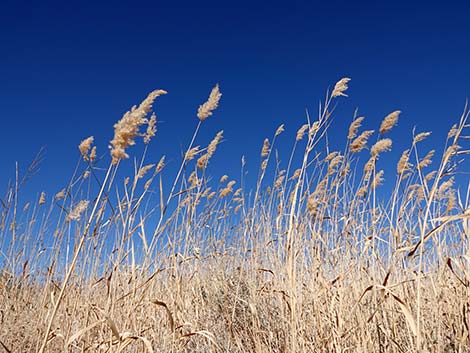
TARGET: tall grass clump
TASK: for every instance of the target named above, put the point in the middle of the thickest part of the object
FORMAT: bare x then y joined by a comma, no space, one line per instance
329,252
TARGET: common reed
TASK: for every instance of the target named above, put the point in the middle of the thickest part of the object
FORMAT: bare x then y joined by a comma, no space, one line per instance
332,252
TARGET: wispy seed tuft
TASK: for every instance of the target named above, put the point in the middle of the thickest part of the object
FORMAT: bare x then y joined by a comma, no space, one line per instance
301,132
279,130
355,125
160,165
84,147
378,179
203,160
265,149
127,129
389,122
42,198
151,129
420,137
212,103
60,195
360,142
76,213
340,87
380,146
403,163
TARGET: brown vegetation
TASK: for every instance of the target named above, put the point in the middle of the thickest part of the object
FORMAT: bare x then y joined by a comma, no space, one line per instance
322,257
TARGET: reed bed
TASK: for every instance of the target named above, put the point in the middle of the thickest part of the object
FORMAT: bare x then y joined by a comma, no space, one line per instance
324,254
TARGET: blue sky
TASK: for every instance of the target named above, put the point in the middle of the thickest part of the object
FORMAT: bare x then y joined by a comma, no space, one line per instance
71,69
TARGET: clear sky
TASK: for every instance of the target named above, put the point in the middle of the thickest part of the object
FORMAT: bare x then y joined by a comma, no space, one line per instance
70,69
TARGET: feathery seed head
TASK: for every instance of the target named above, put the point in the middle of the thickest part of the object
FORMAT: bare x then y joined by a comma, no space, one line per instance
265,149
446,185
334,163
203,160
75,214
301,132
452,131
127,129
279,181
451,150
93,154
378,179
212,103
144,170
191,153
345,170
151,128
403,163
360,142
60,195
213,145
312,204
389,122
160,165
426,161
314,129
206,191
279,130
420,137
228,189
42,198
355,125
193,179
428,177
340,87
370,165
84,147
331,156
362,191
380,146
296,174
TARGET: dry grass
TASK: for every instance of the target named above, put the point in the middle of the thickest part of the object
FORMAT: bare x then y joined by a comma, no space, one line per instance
328,254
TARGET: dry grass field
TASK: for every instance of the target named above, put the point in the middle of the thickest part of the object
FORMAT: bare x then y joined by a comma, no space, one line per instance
322,255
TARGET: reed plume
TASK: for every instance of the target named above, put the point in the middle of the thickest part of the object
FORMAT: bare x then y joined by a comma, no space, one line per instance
76,212
301,132
340,87
127,129
265,149
389,122
212,103
84,147
204,159
279,130
380,146
354,127
360,142
151,129
403,163
42,198
420,137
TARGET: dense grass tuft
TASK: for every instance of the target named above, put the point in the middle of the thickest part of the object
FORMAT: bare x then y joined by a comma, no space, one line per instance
327,254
